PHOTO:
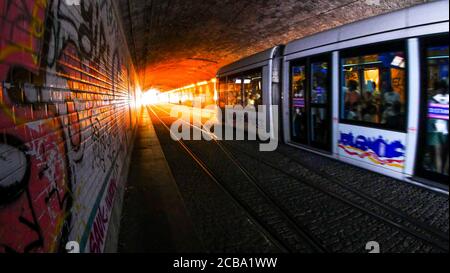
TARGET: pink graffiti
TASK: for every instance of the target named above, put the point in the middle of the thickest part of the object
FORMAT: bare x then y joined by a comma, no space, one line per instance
98,233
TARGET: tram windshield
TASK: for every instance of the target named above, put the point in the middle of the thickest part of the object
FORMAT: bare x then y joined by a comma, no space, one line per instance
252,89
242,89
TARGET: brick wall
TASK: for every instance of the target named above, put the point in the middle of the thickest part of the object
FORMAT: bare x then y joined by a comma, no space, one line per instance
67,117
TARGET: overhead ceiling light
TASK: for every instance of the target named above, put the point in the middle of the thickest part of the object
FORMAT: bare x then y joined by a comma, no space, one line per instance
398,61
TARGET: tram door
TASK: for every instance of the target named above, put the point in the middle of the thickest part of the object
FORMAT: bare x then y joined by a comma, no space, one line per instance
433,157
310,102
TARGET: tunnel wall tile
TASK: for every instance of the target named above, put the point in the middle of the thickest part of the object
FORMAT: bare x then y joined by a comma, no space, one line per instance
68,113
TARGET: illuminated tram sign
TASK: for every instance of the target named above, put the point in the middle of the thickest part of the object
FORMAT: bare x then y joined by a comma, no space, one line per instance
438,111
378,150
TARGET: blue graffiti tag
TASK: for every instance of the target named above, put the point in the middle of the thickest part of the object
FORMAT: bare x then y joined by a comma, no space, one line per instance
379,146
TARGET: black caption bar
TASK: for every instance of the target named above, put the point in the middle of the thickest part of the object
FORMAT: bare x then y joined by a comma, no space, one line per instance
128,263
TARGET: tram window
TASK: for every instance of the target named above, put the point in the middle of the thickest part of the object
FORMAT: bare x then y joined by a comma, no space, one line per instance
234,94
298,107
222,92
319,82
436,158
319,123
252,89
208,96
373,89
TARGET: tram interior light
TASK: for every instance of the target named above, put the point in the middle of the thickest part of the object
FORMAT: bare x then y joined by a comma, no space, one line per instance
398,61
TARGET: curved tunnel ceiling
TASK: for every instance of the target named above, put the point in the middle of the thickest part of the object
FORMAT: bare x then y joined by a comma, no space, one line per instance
179,42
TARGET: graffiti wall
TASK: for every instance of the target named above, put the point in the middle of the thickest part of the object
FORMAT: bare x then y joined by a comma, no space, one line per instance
67,117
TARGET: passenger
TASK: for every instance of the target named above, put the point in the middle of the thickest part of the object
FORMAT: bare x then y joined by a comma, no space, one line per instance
437,138
352,95
370,113
396,119
258,100
367,96
297,124
371,86
318,94
351,101
369,110
374,90
300,90
353,113
391,98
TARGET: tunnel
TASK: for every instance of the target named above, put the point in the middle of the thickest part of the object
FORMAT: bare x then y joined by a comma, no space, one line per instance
224,126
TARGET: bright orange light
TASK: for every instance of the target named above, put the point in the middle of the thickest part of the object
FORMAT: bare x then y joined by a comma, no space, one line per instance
186,93
202,83
164,97
150,97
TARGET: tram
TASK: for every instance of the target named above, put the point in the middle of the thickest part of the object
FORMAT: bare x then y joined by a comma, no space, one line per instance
373,93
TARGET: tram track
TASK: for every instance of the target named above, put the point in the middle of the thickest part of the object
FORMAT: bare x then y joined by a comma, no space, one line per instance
269,231
437,240
440,239
430,229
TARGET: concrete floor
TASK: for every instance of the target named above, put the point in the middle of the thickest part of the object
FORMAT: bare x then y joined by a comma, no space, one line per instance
154,218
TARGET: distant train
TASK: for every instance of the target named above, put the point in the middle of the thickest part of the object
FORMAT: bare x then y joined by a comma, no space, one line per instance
200,94
373,93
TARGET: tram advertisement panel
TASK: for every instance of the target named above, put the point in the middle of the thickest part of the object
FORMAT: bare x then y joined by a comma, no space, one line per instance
373,146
